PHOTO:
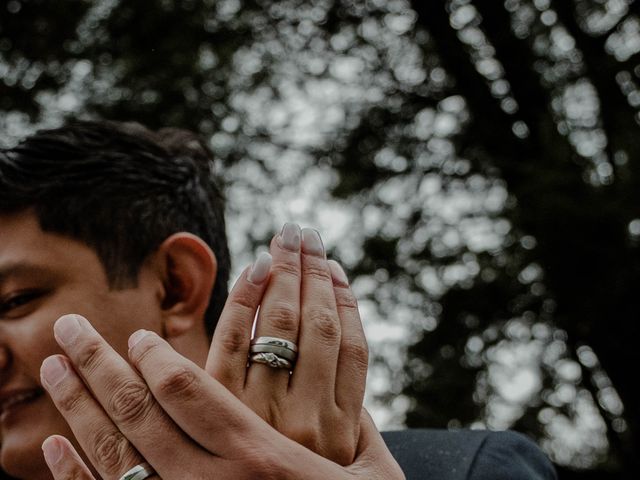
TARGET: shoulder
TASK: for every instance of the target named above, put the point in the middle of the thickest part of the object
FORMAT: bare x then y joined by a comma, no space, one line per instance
467,455
510,455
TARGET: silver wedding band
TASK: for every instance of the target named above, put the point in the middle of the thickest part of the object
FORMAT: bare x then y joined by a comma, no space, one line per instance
279,351
139,472
275,342
274,352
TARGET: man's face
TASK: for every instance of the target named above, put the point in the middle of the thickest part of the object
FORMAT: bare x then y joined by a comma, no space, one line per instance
42,277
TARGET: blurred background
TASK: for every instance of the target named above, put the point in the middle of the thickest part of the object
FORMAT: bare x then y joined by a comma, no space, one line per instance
474,164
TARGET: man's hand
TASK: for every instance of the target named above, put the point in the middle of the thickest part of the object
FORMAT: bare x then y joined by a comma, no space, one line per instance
176,417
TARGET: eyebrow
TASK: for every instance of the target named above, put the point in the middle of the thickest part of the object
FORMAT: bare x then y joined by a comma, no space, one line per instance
22,269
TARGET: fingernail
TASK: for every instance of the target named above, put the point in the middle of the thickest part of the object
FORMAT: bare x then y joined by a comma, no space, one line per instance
53,370
52,450
67,328
337,273
260,269
136,337
311,242
290,237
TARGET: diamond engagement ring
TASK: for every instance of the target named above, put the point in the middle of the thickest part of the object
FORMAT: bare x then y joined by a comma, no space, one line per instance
271,360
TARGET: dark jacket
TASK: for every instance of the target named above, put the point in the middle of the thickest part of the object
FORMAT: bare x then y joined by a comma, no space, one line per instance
468,455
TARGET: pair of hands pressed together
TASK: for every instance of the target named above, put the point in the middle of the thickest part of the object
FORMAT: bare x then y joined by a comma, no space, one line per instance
228,421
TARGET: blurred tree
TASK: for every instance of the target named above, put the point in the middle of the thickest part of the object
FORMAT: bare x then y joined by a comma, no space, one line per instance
482,154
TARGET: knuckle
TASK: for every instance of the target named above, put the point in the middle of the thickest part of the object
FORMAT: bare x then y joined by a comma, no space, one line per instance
345,299
131,402
233,341
90,356
72,400
180,381
318,270
285,268
141,352
244,300
357,351
283,318
111,451
326,324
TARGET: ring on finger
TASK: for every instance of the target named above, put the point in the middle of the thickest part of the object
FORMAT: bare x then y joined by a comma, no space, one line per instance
139,472
271,360
275,349
275,342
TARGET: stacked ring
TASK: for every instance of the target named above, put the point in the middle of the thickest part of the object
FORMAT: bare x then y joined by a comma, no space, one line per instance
139,472
274,352
271,360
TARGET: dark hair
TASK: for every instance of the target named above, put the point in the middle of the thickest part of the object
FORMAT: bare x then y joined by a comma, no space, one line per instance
121,189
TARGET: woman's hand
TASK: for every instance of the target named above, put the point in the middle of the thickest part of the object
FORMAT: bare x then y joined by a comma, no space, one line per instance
307,301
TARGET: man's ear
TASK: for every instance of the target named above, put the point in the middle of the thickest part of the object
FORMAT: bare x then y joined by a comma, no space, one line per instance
188,268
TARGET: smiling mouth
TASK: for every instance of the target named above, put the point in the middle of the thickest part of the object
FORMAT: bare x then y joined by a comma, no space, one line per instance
14,402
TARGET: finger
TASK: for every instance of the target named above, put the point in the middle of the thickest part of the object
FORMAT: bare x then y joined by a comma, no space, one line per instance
107,449
247,446
320,327
353,360
124,397
63,460
279,314
209,413
227,361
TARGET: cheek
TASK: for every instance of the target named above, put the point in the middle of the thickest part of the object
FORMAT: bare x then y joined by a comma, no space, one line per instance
23,434
37,343
118,316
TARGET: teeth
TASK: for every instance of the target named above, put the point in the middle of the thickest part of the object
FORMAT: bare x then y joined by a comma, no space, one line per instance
21,397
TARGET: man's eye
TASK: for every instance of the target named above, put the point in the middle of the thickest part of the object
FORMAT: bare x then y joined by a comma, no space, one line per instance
18,301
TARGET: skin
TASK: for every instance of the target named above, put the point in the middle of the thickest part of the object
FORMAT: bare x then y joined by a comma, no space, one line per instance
44,276
170,299
307,301
191,427
166,410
